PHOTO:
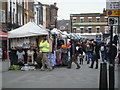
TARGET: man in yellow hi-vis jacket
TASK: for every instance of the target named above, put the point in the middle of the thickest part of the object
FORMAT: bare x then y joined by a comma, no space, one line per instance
45,48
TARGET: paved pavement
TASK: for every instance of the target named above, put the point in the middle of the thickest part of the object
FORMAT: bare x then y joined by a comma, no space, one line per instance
58,78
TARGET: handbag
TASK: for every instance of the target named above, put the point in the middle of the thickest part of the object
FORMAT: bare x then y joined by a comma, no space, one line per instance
90,56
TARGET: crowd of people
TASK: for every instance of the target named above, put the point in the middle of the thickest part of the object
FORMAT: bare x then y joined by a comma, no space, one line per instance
78,51
88,50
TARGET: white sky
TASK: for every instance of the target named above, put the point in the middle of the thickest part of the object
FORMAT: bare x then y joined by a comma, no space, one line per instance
67,7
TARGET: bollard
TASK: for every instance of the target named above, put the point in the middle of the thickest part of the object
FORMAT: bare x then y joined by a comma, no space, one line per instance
111,77
103,84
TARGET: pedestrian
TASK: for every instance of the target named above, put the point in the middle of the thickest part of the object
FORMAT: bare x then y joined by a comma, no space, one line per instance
73,55
96,55
112,54
45,48
80,54
107,57
88,53
103,51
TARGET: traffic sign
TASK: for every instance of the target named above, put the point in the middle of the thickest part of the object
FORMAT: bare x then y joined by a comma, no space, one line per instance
112,5
112,21
113,13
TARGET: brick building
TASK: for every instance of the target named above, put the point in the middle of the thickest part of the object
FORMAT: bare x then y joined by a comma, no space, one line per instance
89,23
53,15
3,16
46,15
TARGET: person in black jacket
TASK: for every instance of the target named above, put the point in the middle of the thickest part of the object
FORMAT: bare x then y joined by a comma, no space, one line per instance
112,54
96,55
80,54
73,55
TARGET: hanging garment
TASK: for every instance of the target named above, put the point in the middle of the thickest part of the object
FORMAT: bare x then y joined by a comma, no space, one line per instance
52,59
58,56
64,56
30,54
51,44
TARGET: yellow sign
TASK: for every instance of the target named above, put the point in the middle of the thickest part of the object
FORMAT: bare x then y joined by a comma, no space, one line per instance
113,13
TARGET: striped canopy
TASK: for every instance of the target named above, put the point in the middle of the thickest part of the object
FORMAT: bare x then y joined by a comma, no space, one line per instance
3,35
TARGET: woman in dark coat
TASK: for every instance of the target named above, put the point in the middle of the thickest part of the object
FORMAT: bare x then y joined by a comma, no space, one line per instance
80,54
96,55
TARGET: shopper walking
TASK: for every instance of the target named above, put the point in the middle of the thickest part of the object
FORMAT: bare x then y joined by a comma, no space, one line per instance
73,55
96,55
103,51
45,48
88,53
80,54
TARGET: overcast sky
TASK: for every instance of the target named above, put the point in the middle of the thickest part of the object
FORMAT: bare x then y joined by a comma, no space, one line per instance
67,7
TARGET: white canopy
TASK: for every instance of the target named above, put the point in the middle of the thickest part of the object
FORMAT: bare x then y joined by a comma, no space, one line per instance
54,31
29,29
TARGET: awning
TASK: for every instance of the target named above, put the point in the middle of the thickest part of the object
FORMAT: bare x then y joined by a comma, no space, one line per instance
27,30
3,35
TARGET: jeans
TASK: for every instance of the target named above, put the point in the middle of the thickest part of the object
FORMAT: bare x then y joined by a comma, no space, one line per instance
103,55
87,58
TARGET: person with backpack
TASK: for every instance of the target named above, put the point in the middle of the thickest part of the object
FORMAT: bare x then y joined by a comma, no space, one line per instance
103,51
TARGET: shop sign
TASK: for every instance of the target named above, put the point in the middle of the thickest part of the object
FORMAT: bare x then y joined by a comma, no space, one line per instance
113,13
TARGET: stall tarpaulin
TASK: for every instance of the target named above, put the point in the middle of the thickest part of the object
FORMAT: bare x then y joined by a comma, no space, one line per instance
3,35
27,30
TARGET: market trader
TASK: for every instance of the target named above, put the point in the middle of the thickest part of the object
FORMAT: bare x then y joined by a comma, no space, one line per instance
45,48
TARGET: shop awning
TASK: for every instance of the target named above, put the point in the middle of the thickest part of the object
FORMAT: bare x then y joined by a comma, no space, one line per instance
27,30
3,35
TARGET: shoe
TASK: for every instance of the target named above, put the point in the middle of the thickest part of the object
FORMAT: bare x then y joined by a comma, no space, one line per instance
49,69
88,63
53,67
77,67
68,67
42,69
96,68
90,67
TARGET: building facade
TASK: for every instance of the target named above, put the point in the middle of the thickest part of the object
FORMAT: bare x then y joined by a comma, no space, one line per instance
46,15
15,13
38,12
50,16
53,15
3,16
89,23
19,12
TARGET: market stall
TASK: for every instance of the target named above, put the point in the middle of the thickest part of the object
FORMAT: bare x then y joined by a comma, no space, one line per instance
62,49
26,38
